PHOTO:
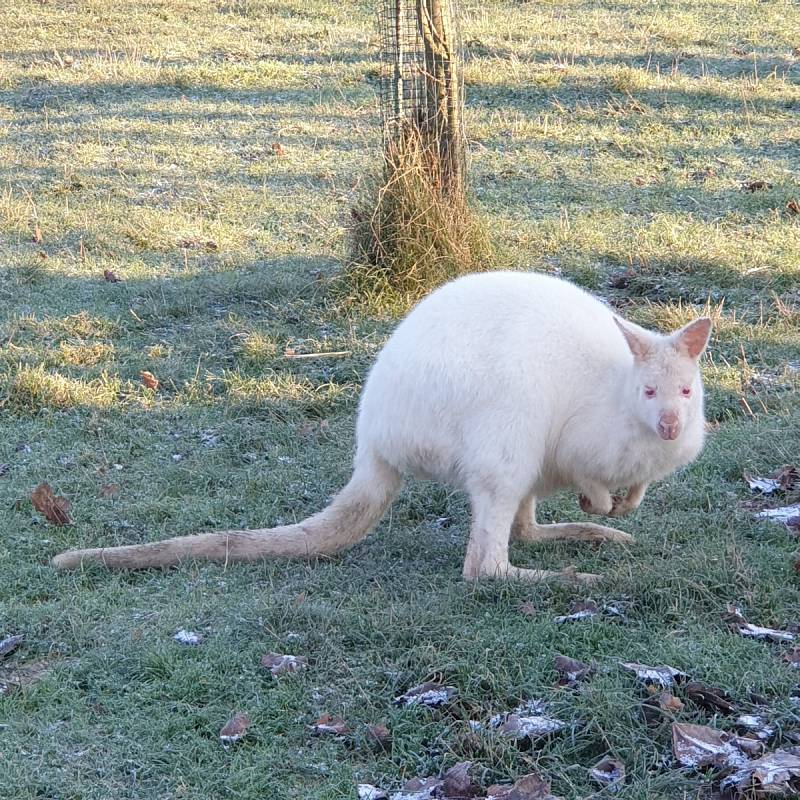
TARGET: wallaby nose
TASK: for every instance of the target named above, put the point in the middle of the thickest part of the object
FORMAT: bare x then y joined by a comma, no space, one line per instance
669,425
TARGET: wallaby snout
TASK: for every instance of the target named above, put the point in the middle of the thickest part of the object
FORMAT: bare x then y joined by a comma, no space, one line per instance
669,426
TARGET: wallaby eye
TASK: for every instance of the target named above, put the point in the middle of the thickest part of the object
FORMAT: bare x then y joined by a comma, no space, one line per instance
686,391
649,391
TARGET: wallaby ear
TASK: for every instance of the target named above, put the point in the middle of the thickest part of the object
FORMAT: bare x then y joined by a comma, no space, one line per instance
638,344
693,338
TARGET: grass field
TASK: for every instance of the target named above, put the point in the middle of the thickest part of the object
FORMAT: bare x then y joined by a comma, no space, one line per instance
208,154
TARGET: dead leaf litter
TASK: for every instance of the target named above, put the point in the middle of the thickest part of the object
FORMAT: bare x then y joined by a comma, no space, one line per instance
235,729
662,675
430,693
280,664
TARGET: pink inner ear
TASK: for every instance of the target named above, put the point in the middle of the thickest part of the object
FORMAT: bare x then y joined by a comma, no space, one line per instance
694,337
637,344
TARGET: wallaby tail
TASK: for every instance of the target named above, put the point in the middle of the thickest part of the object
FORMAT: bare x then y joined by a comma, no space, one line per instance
348,519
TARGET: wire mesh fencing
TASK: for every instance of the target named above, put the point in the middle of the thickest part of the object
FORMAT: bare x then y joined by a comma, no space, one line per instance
421,87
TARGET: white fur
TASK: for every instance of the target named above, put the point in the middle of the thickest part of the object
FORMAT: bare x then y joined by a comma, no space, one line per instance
505,380
513,386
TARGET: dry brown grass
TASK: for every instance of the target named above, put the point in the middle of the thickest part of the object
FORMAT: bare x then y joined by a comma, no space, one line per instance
411,231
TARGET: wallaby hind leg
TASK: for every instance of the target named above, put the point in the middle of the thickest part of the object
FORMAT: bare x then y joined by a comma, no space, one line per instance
487,550
525,528
524,525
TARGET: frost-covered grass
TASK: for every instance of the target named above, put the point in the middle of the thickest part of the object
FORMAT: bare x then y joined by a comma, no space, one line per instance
609,142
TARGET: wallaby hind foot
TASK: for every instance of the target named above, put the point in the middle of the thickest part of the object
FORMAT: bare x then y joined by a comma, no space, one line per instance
575,531
526,529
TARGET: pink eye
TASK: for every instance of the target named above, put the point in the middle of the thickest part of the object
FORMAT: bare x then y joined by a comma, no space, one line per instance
649,391
686,391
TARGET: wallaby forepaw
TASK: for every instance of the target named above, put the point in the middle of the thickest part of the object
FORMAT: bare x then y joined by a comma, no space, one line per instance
620,506
588,507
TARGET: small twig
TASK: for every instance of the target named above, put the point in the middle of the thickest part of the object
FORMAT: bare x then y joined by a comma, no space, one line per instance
329,354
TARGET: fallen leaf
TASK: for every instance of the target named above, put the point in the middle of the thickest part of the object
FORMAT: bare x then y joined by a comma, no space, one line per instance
37,234
793,206
655,707
792,658
10,644
571,671
109,490
756,725
235,729
418,789
733,616
699,746
756,186
427,694
586,609
277,148
711,698
54,509
770,634
783,514
775,775
379,734
783,479
456,783
366,791
668,702
529,787
609,772
24,675
527,721
188,637
279,664
111,277
327,724
748,745
579,610
662,675
149,380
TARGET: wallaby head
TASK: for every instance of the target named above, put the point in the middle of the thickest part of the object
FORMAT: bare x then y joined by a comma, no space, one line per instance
665,386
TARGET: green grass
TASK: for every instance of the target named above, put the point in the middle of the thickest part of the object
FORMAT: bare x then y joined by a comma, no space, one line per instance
607,141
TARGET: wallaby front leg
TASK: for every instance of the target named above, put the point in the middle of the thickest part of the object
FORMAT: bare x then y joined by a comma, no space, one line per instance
487,550
624,505
595,498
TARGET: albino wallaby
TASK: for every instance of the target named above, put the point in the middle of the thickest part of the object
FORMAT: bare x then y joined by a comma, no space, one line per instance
510,386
